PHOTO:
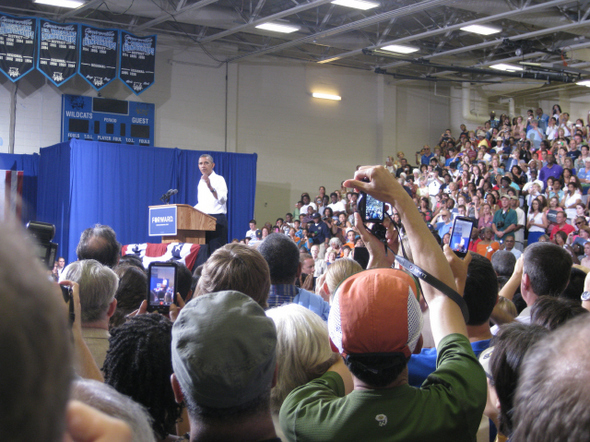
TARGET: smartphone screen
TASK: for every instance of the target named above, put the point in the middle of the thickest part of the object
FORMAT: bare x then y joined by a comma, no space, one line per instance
161,286
461,235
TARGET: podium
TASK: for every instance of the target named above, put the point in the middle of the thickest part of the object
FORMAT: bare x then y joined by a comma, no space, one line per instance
189,223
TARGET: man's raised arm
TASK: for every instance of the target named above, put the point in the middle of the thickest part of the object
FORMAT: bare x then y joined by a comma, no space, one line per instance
446,316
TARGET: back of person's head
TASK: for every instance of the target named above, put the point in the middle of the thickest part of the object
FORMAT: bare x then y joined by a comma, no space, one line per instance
503,262
35,371
282,256
552,313
108,400
510,346
575,286
224,358
481,289
184,279
548,267
131,260
100,243
375,322
552,401
339,271
303,349
507,306
139,364
236,267
98,285
130,293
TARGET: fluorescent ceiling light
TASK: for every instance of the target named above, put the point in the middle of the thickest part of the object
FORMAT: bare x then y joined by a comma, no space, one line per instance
326,96
61,3
481,29
356,4
278,27
584,83
506,67
400,49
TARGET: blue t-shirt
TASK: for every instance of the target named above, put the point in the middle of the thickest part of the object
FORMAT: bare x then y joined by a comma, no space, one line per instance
420,366
443,228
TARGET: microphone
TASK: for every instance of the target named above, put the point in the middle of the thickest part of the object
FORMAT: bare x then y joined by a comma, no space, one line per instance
167,195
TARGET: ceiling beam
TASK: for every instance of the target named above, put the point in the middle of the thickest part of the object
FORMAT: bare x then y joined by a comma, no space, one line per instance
84,7
278,15
497,42
445,29
399,12
172,14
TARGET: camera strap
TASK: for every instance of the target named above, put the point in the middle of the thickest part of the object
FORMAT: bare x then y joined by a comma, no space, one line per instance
420,273
434,282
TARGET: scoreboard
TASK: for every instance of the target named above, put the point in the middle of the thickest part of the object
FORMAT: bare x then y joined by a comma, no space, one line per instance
107,120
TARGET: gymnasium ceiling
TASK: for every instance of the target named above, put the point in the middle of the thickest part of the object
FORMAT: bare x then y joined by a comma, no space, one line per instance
551,37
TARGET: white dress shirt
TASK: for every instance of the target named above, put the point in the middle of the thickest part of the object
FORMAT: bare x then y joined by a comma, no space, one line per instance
207,201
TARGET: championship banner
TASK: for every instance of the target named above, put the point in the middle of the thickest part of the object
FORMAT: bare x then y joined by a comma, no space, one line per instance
58,50
17,46
11,193
98,55
137,62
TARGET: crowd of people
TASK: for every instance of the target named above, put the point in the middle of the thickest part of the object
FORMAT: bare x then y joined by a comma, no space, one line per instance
521,180
323,328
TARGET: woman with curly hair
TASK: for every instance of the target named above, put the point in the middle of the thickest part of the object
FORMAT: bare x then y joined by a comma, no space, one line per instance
139,365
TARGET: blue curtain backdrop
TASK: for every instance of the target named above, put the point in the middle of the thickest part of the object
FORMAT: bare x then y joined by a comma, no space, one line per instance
82,183
29,164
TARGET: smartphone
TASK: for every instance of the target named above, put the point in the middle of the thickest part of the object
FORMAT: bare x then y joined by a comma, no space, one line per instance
361,255
162,282
461,235
67,293
371,209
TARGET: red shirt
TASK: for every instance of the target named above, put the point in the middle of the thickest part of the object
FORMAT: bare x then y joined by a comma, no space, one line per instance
567,228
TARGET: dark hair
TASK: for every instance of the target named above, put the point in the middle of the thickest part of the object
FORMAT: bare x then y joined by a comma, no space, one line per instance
253,221
481,289
503,262
548,267
131,260
510,346
562,235
100,243
130,293
282,256
551,402
376,369
184,279
551,312
139,364
575,286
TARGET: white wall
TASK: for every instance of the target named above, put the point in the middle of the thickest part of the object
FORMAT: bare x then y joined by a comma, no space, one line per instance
301,142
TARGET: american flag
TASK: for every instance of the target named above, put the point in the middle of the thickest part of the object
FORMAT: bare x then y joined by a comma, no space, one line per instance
185,253
11,192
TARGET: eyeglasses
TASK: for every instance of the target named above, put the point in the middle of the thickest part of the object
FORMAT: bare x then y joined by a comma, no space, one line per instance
578,223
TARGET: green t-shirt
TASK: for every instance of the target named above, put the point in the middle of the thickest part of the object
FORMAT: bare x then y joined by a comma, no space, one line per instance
448,406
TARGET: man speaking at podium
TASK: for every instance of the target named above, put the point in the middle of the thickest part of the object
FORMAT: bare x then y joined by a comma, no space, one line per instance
212,195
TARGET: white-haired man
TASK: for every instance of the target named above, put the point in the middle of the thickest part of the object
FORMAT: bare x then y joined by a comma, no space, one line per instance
98,285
